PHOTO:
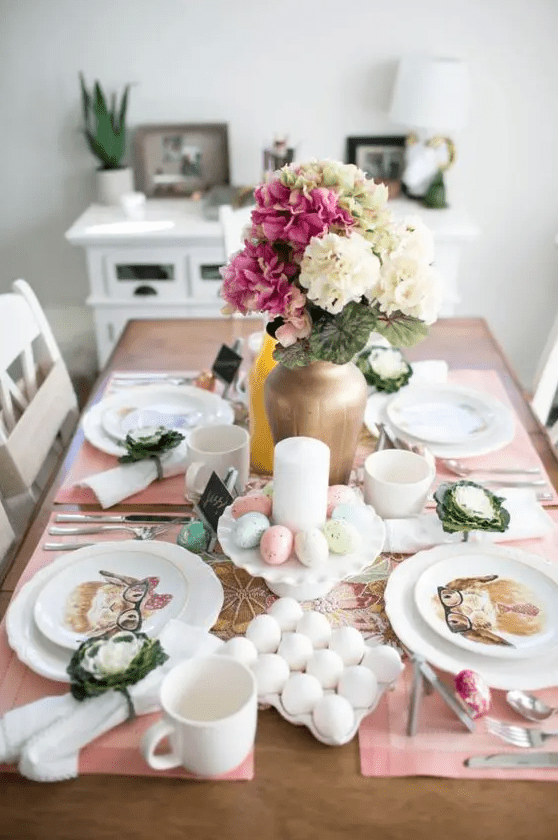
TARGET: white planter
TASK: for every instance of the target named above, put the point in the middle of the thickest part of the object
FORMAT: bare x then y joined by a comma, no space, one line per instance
114,183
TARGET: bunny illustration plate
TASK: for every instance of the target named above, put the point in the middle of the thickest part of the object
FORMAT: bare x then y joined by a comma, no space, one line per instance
495,606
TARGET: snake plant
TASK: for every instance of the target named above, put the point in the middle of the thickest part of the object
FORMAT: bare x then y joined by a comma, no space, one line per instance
105,128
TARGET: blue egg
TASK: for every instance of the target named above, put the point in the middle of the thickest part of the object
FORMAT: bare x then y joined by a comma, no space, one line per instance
249,529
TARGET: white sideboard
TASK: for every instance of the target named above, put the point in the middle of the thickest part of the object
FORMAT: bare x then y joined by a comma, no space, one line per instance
166,264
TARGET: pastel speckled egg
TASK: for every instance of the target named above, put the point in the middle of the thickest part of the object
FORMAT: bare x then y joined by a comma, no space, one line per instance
296,649
301,693
327,666
363,517
268,489
276,545
342,537
265,633
195,536
316,626
348,642
241,648
339,494
334,717
255,502
249,529
271,672
286,611
384,661
311,547
359,685
474,692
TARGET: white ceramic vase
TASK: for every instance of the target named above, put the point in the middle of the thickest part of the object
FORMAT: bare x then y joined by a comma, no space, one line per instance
112,184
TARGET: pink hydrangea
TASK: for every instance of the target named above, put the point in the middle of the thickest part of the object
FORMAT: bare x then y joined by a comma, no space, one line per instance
257,280
296,217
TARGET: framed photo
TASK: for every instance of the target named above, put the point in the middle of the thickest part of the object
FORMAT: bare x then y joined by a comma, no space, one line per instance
382,158
180,160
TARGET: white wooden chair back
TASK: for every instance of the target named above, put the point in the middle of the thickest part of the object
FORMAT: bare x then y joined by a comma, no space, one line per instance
38,405
546,382
7,536
234,221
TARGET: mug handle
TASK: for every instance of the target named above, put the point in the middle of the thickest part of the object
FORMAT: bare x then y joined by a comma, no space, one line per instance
197,476
149,742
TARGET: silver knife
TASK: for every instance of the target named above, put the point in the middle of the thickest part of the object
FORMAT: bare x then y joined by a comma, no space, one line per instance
131,517
93,528
66,546
531,759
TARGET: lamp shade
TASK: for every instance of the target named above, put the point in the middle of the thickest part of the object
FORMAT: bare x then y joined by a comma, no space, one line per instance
431,93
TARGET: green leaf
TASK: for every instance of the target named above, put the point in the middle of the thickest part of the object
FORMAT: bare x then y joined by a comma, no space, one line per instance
339,338
401,330
141,447
297,355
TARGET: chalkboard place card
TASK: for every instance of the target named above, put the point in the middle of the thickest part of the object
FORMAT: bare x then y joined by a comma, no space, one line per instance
214,499
226,365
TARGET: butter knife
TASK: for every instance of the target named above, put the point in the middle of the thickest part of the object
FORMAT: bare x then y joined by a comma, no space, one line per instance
532,759
130,517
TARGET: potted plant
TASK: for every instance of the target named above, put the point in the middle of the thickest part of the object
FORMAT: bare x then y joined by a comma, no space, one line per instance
105,132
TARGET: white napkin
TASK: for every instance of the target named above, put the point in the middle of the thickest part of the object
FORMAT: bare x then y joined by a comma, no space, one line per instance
111,486
428,372
47,735
528,520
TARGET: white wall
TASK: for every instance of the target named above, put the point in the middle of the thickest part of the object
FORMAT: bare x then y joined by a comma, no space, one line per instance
320,70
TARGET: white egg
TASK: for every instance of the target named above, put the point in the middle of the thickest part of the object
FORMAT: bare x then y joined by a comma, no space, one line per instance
265,633
334,717
286,612
297,650
348,643
327,666
301,693
311,547
359,685
316,626
240,648
271,672
384,661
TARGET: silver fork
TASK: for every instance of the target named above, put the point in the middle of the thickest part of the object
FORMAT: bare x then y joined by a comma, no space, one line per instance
141,532
519,736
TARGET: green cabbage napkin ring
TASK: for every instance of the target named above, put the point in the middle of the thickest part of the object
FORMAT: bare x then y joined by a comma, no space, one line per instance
466,506
384,367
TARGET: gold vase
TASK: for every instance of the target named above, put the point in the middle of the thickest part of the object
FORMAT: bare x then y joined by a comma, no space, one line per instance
321,400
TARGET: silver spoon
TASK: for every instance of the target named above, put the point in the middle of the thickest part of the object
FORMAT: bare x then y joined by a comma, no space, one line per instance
463,470
529,706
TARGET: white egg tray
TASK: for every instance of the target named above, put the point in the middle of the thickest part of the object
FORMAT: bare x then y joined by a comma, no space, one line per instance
307,719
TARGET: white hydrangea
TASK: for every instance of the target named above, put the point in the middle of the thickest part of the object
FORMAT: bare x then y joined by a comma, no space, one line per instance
410,286
417,241
336,270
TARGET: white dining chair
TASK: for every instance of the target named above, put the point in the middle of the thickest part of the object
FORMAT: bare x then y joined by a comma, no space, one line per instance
545,383
7,540
233,222
38,405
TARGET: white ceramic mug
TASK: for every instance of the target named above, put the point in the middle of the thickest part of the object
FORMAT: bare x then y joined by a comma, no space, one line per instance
396,482
216,449
210,710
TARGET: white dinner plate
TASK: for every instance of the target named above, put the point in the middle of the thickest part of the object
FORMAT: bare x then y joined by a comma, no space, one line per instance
515,615
44,657
292,573
531,673
499,430
178,403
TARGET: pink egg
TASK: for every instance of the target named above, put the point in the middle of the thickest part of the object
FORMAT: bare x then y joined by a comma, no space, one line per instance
255,503
339,494
276,545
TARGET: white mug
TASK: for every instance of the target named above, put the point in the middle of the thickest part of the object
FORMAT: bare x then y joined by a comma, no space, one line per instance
210,710
215,449
396,482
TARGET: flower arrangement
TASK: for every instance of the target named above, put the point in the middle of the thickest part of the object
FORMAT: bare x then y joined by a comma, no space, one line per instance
328,265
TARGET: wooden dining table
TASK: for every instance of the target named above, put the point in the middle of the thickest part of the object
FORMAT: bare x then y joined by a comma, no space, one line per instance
301,788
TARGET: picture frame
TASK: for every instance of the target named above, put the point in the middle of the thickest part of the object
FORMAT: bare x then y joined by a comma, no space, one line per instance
179,161
381,158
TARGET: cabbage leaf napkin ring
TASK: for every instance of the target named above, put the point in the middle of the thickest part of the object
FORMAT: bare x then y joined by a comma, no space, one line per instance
466,506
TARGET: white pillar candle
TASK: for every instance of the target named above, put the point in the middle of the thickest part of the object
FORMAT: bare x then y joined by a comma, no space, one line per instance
300,483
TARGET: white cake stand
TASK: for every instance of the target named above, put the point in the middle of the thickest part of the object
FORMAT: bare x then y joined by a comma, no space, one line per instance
292,579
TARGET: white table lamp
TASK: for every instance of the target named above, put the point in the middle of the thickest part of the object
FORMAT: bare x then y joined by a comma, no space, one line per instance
431,96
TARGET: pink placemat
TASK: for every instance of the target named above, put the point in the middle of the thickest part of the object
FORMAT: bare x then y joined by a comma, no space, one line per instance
441,743
115,752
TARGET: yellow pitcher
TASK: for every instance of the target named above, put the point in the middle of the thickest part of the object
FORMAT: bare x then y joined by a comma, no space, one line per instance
261,441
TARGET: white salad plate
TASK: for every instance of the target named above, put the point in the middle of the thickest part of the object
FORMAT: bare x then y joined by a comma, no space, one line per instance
520,598
292,578
201,607
454,422
536,671
183,406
